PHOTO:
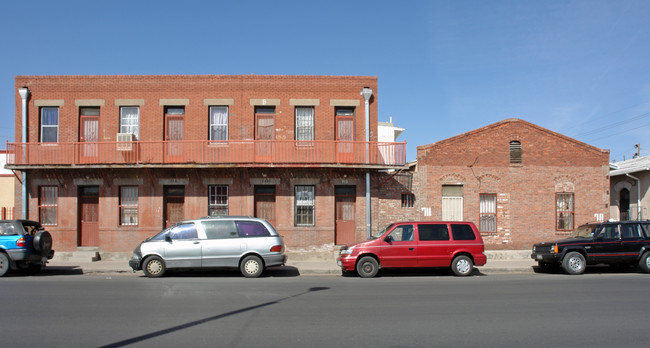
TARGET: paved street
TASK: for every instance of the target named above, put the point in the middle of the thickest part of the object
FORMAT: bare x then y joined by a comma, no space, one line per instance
285,310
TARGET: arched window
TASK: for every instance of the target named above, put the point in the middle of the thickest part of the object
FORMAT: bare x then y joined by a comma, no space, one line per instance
515,152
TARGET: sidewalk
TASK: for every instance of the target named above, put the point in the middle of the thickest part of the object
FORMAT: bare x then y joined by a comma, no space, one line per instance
498,262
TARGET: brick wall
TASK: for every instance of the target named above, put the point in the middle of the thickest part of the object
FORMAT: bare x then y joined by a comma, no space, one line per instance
526,193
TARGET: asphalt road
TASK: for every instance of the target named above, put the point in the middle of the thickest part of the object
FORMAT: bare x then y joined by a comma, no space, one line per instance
284,310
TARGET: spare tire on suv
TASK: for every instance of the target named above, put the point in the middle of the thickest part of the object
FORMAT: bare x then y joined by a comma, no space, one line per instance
42,242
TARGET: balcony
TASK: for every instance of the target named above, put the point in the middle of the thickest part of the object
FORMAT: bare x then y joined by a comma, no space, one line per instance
206,153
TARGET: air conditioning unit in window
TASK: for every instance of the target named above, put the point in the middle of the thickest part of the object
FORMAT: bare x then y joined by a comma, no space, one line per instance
125,141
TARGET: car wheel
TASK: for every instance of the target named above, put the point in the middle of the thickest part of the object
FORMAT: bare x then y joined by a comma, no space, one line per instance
462,266
42,242
154,267
574,263
367,267
4,264
251,267
644,263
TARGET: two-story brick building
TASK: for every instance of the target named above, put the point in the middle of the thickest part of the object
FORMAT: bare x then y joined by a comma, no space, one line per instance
111,160
518,182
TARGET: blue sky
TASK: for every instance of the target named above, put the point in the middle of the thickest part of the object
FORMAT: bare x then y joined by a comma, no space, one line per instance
580,68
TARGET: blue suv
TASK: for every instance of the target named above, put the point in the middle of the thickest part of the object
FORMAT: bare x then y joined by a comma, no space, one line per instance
24,245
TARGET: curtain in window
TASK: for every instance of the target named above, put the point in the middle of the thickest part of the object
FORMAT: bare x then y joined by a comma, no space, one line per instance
129,205
305,123
305,205
218,123
564,206
130,120
49,125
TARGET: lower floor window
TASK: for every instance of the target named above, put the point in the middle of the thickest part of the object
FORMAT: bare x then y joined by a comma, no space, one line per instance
304,205
488,212
408,200
564,205
128,205
48,206
218,200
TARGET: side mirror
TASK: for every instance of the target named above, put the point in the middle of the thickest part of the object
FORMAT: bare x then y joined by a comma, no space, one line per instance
168,237
387,239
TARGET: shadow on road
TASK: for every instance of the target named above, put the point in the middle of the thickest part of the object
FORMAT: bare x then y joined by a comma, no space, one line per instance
47,272
595,269
141,338
272,272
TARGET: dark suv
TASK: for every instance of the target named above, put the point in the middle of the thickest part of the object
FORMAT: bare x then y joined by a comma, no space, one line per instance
24,245
613,243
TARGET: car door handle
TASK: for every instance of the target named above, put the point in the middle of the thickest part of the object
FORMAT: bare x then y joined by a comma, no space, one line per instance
411,248
197,242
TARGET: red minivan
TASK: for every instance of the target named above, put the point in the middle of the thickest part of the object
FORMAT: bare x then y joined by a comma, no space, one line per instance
417,244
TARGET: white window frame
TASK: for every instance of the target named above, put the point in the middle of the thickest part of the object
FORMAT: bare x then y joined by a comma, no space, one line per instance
55,126
487,212
305,205
127,192
130,128
213,125
213,194
306,123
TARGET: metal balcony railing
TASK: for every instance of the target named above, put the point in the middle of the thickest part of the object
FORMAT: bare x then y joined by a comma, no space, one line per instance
254,152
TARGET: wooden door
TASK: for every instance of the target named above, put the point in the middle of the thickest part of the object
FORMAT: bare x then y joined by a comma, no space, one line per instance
345,138
89,216
345,225
265,203
264,136
89,135
174,204
174,138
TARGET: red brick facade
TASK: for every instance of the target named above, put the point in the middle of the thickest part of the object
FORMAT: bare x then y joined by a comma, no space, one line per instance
478,162
152,94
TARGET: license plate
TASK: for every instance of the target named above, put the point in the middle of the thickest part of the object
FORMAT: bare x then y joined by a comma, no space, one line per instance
539,257
339,263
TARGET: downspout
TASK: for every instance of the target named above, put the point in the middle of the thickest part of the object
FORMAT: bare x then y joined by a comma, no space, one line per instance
24,94
638,196
367,93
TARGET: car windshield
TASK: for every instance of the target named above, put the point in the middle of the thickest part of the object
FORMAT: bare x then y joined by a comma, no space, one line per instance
379,233
584,231
160,235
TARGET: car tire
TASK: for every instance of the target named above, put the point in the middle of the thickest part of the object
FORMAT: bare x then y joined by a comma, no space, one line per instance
574,263
4,264
644,262
462,266
367,267
42,242
251,266
154,267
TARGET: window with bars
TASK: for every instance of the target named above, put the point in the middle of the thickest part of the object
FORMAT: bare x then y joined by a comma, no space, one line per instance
305,125
305,204
488,212
130,120
49,125
515,152
408,200
128,205
218,200
48,205
564,211
219,123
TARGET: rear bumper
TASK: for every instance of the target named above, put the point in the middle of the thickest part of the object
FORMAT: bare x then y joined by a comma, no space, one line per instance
480,259
25,256
275,260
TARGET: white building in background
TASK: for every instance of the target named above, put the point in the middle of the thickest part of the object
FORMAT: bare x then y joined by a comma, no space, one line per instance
388,133
629,189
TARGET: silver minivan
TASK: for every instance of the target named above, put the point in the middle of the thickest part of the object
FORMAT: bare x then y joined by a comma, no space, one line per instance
248,243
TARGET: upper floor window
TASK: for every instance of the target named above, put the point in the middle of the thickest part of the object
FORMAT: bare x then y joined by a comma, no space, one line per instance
515,152
305,123
49,125
219,123
130,120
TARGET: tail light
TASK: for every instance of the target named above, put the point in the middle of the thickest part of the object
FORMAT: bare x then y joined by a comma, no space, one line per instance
276,248
21,242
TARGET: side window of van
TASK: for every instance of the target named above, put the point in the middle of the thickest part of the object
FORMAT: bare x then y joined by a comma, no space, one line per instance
433,232
219,229
184,231
252,229
462,232
403,233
